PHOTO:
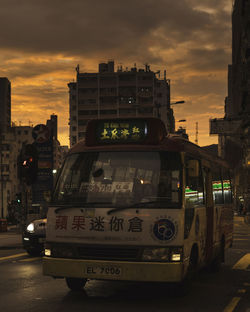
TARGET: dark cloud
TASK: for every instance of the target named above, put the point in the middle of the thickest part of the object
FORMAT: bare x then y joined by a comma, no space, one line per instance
203,59
200,85
191,38
45,95
96,27
32,68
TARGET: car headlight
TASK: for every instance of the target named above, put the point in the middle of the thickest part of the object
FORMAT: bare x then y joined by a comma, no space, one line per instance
168,254
47,252
31,228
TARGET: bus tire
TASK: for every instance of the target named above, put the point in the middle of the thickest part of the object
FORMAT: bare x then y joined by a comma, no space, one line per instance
34,252
220,257
185,285
75,284
193,263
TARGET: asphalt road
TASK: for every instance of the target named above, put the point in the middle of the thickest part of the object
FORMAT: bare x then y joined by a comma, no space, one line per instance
24,288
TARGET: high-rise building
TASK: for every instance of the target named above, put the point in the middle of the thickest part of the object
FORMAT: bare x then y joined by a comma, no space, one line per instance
123,93
234,128
5,104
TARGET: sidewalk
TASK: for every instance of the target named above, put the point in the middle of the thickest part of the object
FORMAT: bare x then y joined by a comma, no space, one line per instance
247,218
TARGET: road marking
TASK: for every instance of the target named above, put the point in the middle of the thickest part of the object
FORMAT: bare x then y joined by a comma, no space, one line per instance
243,263
14,256
29,259
232,305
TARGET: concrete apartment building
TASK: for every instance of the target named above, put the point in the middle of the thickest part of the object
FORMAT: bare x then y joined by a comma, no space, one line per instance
13,139
5,104
122,93
234,128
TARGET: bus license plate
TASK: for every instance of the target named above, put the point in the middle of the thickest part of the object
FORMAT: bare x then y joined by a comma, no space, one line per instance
104,270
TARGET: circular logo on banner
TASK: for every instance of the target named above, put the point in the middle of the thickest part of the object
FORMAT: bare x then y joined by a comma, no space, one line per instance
41,133
164,230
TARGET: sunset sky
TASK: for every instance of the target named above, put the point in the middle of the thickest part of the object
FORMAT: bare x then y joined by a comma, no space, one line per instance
43,41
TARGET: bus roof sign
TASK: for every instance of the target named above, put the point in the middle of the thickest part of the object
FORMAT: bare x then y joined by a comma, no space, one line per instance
125,131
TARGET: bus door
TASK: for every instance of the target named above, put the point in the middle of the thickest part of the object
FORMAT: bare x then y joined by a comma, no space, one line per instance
209,214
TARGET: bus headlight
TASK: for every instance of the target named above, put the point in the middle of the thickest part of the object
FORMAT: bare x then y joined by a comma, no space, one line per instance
176,254
31,228
155,254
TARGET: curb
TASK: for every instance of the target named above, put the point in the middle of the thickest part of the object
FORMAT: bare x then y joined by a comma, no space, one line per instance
247,219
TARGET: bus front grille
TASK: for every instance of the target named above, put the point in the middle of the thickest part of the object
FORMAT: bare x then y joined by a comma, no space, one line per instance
109,253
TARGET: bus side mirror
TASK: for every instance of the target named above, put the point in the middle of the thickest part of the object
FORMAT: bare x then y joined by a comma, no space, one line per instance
193,168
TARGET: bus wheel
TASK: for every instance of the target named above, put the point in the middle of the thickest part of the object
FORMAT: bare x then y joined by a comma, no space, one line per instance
220,257
75,284
34,252
185,285
193,263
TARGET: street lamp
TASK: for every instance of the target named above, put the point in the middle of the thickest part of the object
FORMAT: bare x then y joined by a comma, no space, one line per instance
177,102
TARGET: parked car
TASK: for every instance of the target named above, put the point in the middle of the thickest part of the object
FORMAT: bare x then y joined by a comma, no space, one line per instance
33,237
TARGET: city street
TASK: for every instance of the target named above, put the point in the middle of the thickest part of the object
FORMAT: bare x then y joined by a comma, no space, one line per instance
24,288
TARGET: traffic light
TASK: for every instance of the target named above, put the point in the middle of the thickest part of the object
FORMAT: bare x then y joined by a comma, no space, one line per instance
29,163
19,198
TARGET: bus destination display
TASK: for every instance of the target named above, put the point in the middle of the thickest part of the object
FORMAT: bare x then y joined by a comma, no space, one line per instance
121,131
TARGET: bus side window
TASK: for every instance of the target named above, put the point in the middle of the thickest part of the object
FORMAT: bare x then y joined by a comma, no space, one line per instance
194,191
217,186
227,187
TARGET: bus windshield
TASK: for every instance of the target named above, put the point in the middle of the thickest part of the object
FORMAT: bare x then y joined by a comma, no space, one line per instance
117,179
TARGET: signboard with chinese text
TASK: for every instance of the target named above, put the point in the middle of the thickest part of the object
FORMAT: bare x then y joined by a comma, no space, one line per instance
121,131
42,188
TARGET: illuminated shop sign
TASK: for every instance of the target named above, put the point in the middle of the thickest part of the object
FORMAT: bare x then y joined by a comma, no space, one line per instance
218,186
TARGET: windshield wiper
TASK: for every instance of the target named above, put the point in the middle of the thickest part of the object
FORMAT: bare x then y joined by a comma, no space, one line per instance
81,205
135,205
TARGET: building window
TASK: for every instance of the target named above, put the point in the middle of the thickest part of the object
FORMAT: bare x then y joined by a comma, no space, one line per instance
81,134
74,140
82,122
87,112
108,112
146,110
127,111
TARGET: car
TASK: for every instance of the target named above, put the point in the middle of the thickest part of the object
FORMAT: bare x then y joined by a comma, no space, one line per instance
33,237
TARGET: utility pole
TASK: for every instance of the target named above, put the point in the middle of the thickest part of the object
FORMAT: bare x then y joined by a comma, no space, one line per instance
196,133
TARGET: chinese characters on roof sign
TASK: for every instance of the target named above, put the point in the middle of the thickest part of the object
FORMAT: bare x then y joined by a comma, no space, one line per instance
121,131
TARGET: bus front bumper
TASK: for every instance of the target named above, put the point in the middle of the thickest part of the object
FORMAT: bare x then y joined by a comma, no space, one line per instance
113,270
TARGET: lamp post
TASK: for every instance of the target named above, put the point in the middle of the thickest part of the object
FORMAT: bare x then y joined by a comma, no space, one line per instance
177,102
